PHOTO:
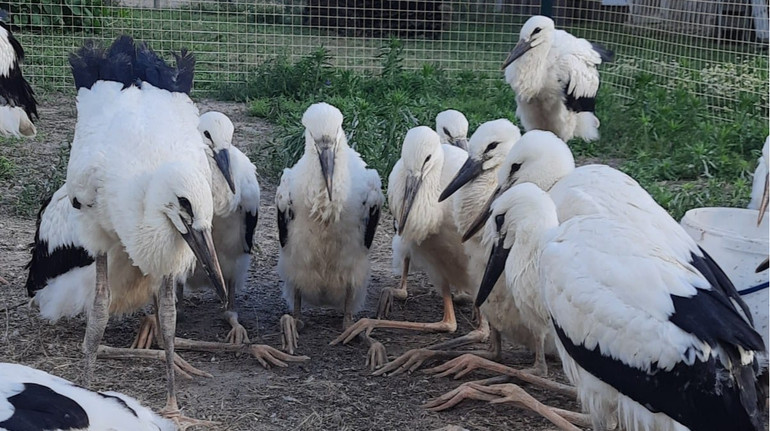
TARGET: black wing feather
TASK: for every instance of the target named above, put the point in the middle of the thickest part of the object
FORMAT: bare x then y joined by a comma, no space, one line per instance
371,225
13,87
607,55
250,221
283,227
578,104
38,407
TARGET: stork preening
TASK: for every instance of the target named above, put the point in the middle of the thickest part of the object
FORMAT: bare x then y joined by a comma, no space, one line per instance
554,75
31,399
452,128
18,107
328,208
426,229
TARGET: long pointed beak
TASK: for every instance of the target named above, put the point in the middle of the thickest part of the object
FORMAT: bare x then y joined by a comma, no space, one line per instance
203,247
762,266
471,169
517,51
495,267
222,157
461,143
326,156
486,211
413,184
763,203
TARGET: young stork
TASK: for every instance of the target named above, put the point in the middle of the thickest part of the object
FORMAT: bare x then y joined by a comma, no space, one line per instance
425,225
328,208
452,128
554,75
648,336
139,176
31,399
759,186
18,106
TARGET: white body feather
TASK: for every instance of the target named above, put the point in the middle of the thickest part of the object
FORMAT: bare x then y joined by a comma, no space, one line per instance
760,176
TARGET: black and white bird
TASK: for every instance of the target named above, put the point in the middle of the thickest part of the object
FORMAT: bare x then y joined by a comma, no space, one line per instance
32,399
554,75
140,179
18,107
328,207
452,128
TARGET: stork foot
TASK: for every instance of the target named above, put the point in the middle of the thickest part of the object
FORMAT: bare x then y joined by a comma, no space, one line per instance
269,356
463,392
376,356
409,361
367,325
238,335
181,367
386,300
148,332
459,366
183,422
289,333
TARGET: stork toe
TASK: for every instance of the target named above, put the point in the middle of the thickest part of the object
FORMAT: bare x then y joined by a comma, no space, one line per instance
148,331
289,334
376,356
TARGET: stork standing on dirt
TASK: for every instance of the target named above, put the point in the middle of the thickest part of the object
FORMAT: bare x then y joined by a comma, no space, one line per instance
425,226
33,399
18,106
554,75
328,208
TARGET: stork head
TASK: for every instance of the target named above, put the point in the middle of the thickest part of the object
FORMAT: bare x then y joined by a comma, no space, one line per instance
523,210
539,157
488,147
422,157
324,137
178,204
217,131
452,128
536,32
766,193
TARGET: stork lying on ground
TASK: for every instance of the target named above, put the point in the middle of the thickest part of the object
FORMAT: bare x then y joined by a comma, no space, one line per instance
651,337
328,207
554,75
425,226
18,106
31,399
452,129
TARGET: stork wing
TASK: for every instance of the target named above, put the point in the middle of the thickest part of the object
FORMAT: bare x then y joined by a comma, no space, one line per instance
373,202
13,87
250,221
576,61
650,325
248,188
283,206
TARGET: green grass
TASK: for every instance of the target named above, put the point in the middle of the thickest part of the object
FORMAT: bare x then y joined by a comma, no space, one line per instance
666,137
7,168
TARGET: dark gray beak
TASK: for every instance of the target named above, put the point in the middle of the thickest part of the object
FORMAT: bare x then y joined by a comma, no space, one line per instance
495,267
471,169
413,184
222,157
486,211
520,49
763,203
326,156
203,247
461,143
762,266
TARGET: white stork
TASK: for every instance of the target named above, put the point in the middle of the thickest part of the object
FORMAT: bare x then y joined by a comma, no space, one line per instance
31,399
554,75
18,107
759,186
236,211
452,128
328,208
425,225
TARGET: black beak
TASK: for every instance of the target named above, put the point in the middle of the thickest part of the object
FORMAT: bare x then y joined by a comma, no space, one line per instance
762,266
326,156
410,193
520,49
461,143
203,247
222,157
471,169
486,211
494,269
763,203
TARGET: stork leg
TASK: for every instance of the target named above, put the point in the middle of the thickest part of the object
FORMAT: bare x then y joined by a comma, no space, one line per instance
98,316
447,324
377,354
540,367
237,334
290,325
266,355
413,359
387,294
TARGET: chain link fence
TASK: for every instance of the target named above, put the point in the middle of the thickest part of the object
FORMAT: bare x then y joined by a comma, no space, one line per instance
716,49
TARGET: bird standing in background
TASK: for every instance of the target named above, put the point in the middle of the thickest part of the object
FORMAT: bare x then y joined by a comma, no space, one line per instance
18,106
554,75
760,184
452,128
328,206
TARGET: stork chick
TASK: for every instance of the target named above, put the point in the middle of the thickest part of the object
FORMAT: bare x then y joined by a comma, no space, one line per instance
760,184
425,225
452,128
328,208
18,106
34,399
555,78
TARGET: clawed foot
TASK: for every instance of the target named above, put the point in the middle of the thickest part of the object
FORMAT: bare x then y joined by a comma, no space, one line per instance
364,324
148,332
468,390
181,367
459,366
386,300
238,335
183,422
376,356
409,361
289,333
270,356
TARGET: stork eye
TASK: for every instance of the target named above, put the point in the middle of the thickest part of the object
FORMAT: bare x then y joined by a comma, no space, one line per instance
536,31
427,158
184,203
515,167
208,135
499,219
446,132
492,146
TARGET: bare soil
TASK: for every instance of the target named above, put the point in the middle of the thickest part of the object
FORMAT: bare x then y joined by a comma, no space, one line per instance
334,390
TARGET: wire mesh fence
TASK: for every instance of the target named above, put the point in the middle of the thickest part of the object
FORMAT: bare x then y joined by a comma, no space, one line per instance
716,49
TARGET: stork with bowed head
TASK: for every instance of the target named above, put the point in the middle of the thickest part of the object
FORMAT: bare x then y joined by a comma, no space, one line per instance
452,128
426,229
18,107
554,75
32,399
475,182
328,206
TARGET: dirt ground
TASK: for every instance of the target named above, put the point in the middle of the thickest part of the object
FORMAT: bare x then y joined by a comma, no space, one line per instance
334,390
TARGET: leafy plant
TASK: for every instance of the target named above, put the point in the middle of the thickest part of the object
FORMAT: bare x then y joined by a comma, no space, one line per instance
62,14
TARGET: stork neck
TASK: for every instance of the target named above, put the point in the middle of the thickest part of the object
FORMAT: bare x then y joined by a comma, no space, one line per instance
528,73
321,208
